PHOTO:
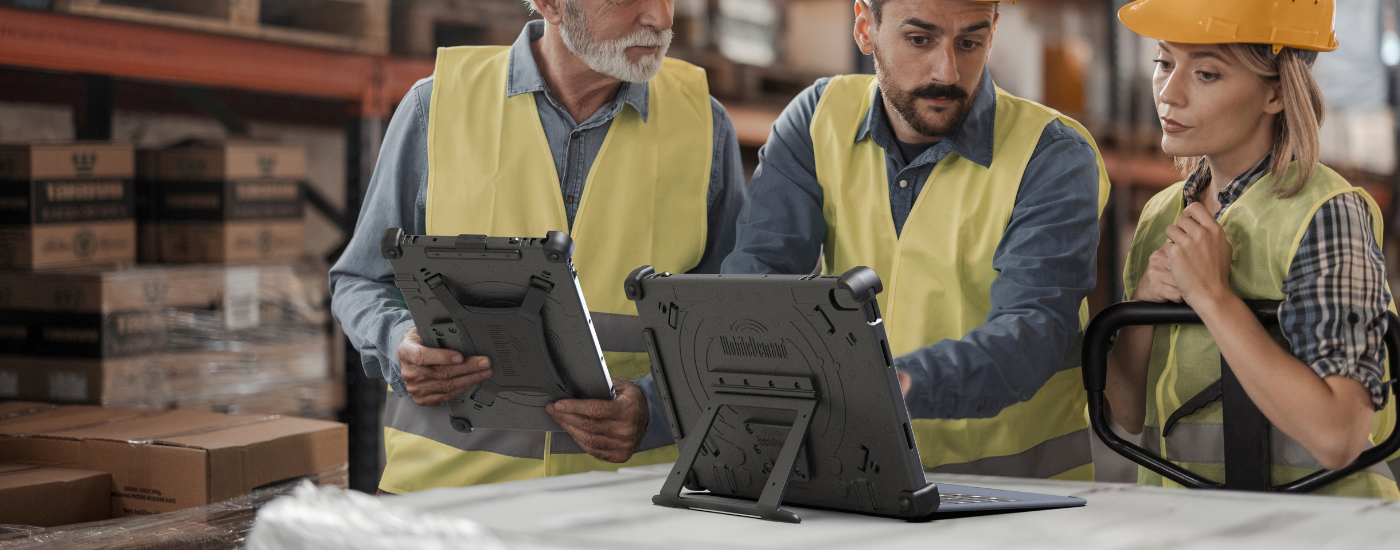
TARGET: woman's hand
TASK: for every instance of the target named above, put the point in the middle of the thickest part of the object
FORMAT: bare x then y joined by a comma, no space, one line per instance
1199,257
1157,284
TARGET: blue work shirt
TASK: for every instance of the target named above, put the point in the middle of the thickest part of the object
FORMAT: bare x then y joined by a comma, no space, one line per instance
364,298
1045,261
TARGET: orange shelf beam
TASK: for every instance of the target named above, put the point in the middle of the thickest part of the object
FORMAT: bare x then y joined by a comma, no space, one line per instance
400,74
1151,172
41,40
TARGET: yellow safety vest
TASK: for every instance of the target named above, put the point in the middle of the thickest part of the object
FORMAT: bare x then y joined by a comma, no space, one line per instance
938,273
490,171
1265,232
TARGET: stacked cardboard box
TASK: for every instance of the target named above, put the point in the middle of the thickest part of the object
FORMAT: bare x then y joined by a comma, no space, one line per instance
46,497
235,202
162,461
163,350
223,525
234,339
64,205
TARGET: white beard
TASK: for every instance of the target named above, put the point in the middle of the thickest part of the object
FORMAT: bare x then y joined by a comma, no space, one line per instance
610,57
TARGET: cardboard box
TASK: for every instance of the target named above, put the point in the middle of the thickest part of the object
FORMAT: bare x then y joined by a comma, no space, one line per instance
171,460
50,497
21,448
64,205
228,161
231,202
232,242
59,245
254,199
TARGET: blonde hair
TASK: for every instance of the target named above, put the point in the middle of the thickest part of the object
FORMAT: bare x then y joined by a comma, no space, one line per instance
1296,129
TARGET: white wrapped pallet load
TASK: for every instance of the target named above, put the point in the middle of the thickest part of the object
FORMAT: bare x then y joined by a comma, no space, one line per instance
327,518
748,31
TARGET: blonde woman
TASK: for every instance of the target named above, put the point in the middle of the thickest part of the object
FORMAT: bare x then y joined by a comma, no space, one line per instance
1258,218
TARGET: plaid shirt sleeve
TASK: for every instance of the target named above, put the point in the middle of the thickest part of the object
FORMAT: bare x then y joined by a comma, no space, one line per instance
1335,311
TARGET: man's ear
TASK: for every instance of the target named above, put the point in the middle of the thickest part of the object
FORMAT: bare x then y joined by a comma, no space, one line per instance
865,27
551,10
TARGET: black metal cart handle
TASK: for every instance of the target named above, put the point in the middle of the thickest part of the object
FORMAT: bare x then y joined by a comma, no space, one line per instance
1127,314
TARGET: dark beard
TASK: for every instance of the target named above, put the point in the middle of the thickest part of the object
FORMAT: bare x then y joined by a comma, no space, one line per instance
905,104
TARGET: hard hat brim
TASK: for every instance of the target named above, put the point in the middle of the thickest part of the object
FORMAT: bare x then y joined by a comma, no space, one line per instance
1172,22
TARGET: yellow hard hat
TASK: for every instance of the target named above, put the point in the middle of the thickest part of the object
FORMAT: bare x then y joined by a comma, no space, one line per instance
1302,24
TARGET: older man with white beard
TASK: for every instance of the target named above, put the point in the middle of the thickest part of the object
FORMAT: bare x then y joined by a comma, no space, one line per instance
584,126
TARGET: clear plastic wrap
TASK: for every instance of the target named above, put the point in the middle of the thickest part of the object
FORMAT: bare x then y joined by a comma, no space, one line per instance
15,409
320,399
227,339
333,519
290,378
219,526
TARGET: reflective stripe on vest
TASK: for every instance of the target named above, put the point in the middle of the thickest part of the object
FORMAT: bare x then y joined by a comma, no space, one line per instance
1204,443
1046,460
491,172
1264,232
939,286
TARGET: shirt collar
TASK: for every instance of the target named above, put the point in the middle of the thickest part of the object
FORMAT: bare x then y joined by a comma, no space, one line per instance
525,77
1200,181
972,140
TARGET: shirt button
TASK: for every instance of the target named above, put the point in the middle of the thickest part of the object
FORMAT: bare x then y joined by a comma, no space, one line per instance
574,135
903,184
569,199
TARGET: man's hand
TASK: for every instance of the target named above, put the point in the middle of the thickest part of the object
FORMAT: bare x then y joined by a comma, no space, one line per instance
432,375
1157,284
906,383
608,430
1200,257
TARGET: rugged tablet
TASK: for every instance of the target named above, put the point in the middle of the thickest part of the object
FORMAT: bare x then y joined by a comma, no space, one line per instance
782,389
515,300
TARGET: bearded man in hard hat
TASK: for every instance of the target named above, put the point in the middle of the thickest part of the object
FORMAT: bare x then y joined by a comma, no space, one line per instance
581,126
979,211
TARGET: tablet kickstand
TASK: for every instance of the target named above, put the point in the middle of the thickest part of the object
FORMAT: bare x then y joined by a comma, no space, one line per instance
769,502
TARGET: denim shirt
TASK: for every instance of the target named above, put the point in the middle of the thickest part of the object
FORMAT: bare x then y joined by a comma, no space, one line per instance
364,298
1046,261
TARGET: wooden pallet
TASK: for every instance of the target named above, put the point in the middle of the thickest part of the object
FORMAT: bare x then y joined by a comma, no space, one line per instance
353,25
421,26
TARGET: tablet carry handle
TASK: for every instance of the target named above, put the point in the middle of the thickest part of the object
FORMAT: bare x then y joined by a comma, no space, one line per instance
515,338
1246,446
390,243
499,328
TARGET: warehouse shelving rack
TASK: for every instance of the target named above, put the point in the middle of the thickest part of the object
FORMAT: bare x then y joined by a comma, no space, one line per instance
102,51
